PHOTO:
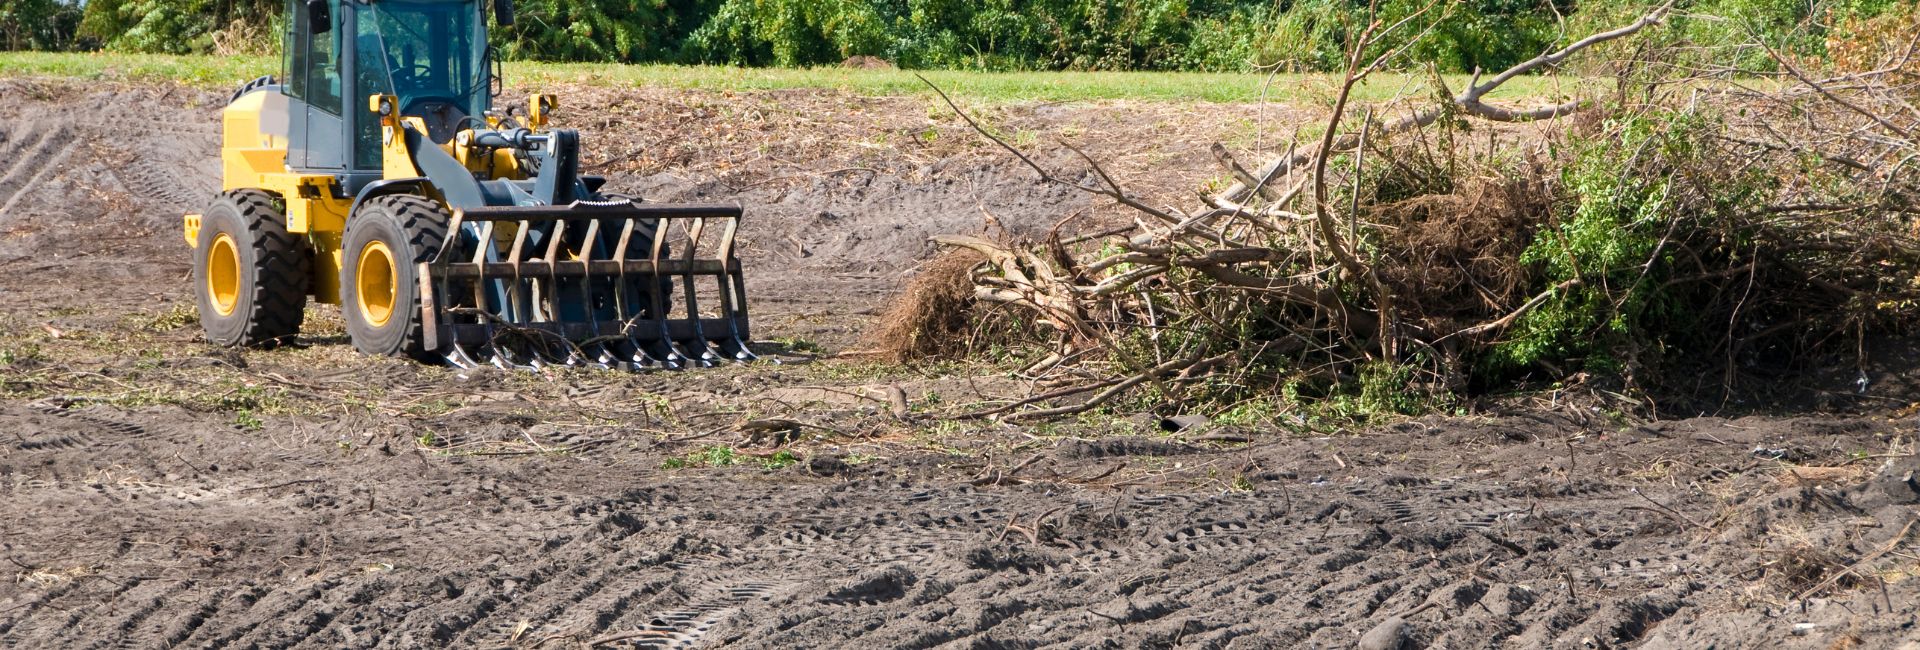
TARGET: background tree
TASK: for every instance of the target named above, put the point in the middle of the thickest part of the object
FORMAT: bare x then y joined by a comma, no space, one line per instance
38,24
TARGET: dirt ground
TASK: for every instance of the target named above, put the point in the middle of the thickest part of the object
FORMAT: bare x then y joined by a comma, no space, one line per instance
157,492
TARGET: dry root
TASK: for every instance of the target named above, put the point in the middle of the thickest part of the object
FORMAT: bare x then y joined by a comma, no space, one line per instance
933,317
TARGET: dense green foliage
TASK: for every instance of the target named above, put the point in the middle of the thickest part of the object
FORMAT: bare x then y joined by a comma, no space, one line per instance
181,26
1201,35
627,31
38,24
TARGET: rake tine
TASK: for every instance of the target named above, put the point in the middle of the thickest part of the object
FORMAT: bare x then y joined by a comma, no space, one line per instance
661,352
574,356
732,294
625,355
686,357
499,357
458,357
704,352
733,348
647,359
506,357
603,357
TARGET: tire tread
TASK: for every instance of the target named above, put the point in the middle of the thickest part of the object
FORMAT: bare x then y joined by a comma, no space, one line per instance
281,271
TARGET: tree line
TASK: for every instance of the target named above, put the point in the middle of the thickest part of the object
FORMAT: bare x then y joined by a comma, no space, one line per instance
1193,35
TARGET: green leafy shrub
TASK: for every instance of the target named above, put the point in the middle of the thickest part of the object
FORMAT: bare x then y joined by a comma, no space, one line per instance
601,30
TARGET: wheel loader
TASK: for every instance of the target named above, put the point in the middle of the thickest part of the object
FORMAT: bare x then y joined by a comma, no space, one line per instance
376,173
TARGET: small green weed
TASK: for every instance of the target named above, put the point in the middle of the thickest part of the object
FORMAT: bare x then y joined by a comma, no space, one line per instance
724,456
174,317
715,456
779,460
799,345
248,420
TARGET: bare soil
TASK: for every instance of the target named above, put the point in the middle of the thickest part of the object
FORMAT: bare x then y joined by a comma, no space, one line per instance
158,492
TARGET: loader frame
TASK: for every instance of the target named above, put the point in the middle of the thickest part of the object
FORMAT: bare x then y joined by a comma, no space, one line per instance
532,263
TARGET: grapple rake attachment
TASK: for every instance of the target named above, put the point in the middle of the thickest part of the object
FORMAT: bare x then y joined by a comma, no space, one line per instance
591,283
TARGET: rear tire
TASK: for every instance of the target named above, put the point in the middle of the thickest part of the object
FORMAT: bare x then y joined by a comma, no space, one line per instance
387,239
250,274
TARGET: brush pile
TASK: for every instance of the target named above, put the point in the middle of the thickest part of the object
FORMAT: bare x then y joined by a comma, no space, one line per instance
1676,236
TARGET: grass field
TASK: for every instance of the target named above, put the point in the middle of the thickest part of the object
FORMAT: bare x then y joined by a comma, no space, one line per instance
216,71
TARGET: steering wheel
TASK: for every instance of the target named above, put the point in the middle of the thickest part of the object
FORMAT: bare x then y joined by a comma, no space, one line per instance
414,72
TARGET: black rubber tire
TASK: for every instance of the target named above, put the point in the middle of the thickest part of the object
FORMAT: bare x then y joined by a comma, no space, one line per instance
274,269
412,228
641,248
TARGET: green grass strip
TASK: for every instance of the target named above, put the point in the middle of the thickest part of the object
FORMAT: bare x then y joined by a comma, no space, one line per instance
228,71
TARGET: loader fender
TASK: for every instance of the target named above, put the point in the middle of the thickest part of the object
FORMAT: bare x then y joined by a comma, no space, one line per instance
415,186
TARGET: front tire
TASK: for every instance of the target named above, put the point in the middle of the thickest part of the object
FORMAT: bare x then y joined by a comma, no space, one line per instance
387,239
640,248
249,273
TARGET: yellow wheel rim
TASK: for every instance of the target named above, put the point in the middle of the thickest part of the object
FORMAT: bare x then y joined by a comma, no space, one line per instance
373,283
223,274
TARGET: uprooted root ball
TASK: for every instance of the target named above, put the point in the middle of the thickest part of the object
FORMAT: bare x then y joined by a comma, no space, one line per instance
933,317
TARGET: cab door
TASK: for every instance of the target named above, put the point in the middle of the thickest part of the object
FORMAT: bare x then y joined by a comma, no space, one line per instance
318,139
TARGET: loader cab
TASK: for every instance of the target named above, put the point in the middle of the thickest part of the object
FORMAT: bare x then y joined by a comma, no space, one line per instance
431,54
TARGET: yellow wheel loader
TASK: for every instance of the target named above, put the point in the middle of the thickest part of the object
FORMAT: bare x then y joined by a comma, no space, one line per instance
376,174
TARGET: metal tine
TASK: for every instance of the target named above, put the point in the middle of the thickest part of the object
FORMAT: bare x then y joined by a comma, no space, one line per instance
646,357
602,357
621,309
443,287
705,353
694,353
732,296
530,350
636,357
573,356
516,313
556,242
625,356
483,246
587,245
664,348
506,358
498,355
543,352
661,353
733,348
458,357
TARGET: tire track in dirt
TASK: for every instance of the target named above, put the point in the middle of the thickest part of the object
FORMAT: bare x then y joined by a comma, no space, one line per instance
705,563
29,165
150,179
652,572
